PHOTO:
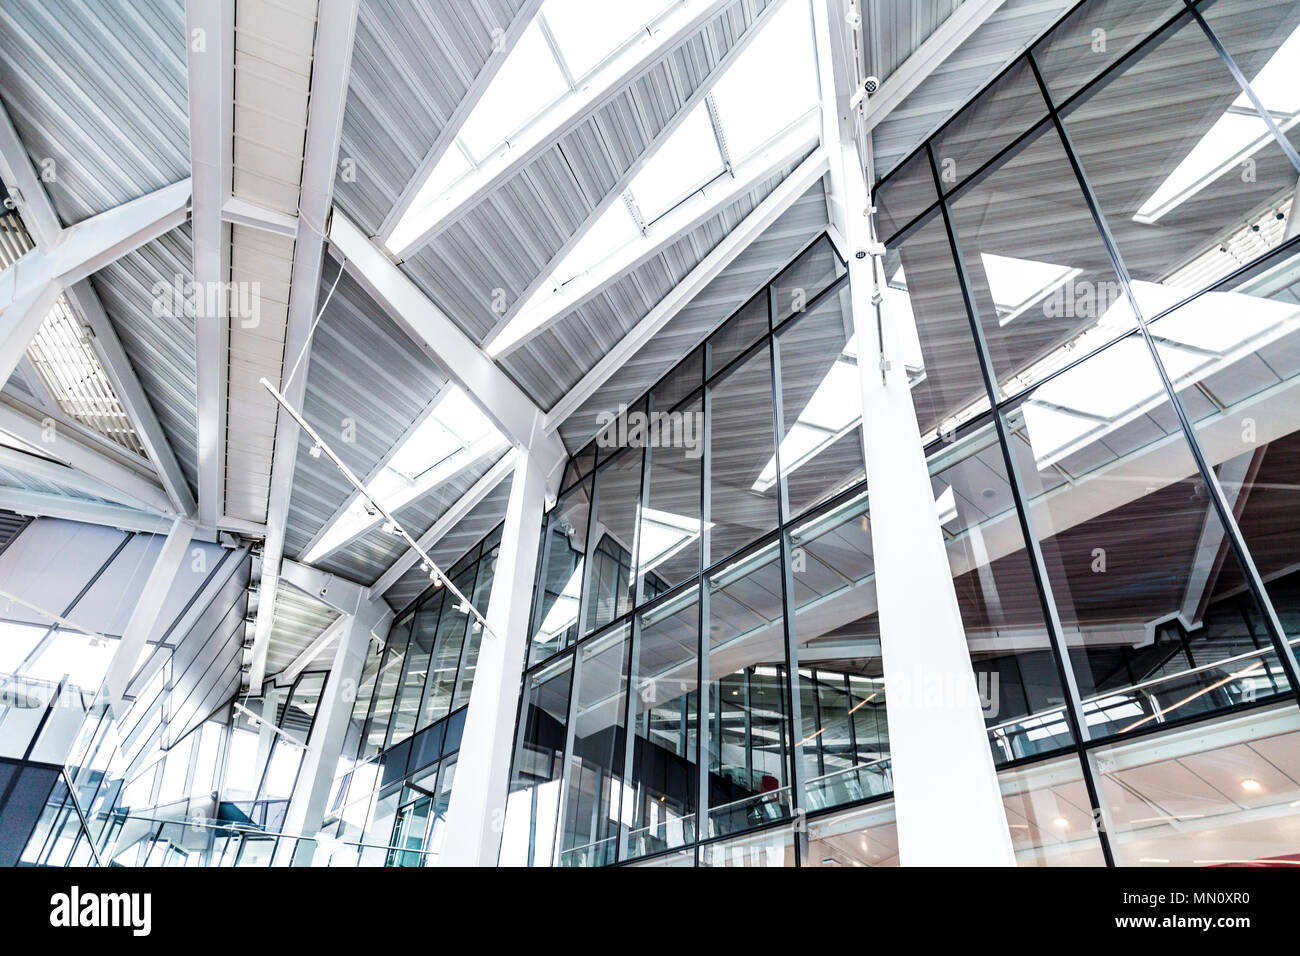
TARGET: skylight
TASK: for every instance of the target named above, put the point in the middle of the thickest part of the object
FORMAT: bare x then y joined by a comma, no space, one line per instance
529,81
571,51
452,437
765,92
1018,284
1237,135
771,84
72,375
661,535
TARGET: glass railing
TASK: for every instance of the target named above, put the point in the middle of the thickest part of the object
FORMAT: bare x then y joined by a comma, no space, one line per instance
849,784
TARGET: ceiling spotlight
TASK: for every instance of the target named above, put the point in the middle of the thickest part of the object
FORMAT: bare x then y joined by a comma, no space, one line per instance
463,607
315,450
436,578
1062,823
477,627
390,527
424,566
1251,785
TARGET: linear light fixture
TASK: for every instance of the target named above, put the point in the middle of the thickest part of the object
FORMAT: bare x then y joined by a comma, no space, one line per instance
436,574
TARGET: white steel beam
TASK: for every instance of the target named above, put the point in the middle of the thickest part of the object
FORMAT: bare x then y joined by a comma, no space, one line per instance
478,799
121,374
689,17
87,467
332,65
767,212
500,398
952,33
346,597
620,186
797,144
40,505
29,287
449,519
16,170
502,46
935,714
210,28
145,615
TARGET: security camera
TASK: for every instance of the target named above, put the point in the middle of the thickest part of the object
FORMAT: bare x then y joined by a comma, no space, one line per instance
871,84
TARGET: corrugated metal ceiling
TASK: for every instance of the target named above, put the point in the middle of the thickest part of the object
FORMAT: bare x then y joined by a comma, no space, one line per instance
99,89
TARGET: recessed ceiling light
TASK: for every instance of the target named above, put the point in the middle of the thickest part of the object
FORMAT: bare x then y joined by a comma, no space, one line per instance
1251,784
1062,823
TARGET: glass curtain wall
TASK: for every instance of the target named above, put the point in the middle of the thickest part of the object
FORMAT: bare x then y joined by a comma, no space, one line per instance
393,779
1094,268
1097,257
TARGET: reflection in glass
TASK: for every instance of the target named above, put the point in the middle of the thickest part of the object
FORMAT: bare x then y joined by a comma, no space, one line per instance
533,804
1222,794
821,401
664,778
559,586
866,836
741,509
748,739
1050,816
668,539
593,785
845,746
612,581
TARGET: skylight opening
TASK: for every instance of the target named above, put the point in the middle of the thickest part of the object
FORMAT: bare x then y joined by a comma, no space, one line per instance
454,436
760,97
1236,136
572,48
71,373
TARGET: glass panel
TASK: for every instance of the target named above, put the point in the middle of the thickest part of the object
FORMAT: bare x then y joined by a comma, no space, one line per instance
446,658
560,581
686,377
487,566
748,737
845,746
907,193
738,333
1147,591
414,673
1238,380
1093,37
612,581
1222,794
863,837
386,688
1182,165
532,808
1263,39
668,540
1011,651
594,786
799,283
821,402
1050,816
987,125
740,444
774,847
1041,279
663,782
923,299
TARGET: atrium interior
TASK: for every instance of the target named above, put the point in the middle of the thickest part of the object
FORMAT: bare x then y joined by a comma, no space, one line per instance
678,433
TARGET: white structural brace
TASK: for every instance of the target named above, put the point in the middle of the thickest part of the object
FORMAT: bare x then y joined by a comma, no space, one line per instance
478,798
722,255
501,399
211,114
332,59
40,505
30,287
935,716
